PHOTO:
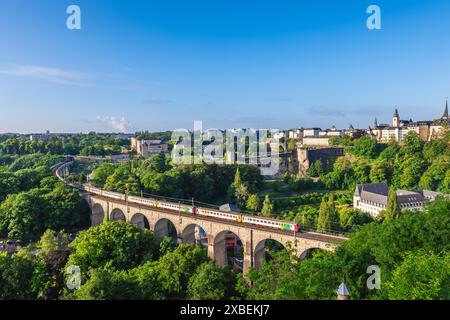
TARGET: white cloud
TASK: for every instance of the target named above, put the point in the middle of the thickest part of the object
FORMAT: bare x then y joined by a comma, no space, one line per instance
121,125
44,73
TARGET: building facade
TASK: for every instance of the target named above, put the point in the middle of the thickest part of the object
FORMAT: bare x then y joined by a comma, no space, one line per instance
426,130
148,148
372,198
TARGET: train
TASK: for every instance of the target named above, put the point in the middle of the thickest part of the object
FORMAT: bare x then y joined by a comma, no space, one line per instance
194,210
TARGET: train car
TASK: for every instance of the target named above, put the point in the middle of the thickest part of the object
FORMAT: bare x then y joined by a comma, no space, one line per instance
188,209
219,214
143,201
271,223
177,207
113,195
93,190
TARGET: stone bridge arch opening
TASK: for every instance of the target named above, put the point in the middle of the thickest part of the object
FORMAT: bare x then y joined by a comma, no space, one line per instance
194,235
165,228
309,253
264,251
98,215
229,250
118,215
141,221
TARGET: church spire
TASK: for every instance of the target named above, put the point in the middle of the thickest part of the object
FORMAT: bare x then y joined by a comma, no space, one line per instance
396,113
376,123
396,119
445,116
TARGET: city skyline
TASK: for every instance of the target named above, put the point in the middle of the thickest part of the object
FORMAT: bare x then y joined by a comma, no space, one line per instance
157,66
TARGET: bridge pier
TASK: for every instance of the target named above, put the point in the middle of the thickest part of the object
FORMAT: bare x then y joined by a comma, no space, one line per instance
259,257
247,263
220,252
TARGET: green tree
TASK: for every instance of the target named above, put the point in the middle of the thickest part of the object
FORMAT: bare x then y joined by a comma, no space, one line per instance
393,210
253,203
380,171
267,208
118,245
156,163
412,143
176,268
350,219
52,241
364,147
16,274
421,276
316,169
242,195
101,173
107,284
210,282
328,218
9,184
166,245
237,178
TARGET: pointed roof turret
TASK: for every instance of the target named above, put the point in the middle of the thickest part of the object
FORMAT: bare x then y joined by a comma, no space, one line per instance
343,292
445,115
376,123
396,113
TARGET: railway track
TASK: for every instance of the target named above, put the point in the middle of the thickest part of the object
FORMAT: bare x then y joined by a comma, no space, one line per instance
335,239
302,234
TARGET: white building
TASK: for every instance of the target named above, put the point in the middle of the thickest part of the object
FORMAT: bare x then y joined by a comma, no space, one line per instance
311,132
316,141
295,134
147,148
373,198
426,130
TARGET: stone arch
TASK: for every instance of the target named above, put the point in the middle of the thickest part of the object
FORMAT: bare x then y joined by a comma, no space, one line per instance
140,220
262,251
308,253
117,215
98,214
195,234
228,245
165,228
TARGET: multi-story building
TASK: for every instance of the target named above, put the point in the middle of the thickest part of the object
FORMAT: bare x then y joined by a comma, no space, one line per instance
373,198
426,130
311,132
333,132
40,136
295,134
147,148
316,141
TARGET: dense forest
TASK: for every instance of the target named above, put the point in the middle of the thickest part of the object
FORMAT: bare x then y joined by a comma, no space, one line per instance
32,200
117,260
157,176
412,253
77,144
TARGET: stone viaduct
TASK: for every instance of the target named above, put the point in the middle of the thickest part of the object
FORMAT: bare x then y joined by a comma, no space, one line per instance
253,238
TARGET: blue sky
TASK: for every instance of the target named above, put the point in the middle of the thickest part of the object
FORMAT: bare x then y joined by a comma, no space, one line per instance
156,65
